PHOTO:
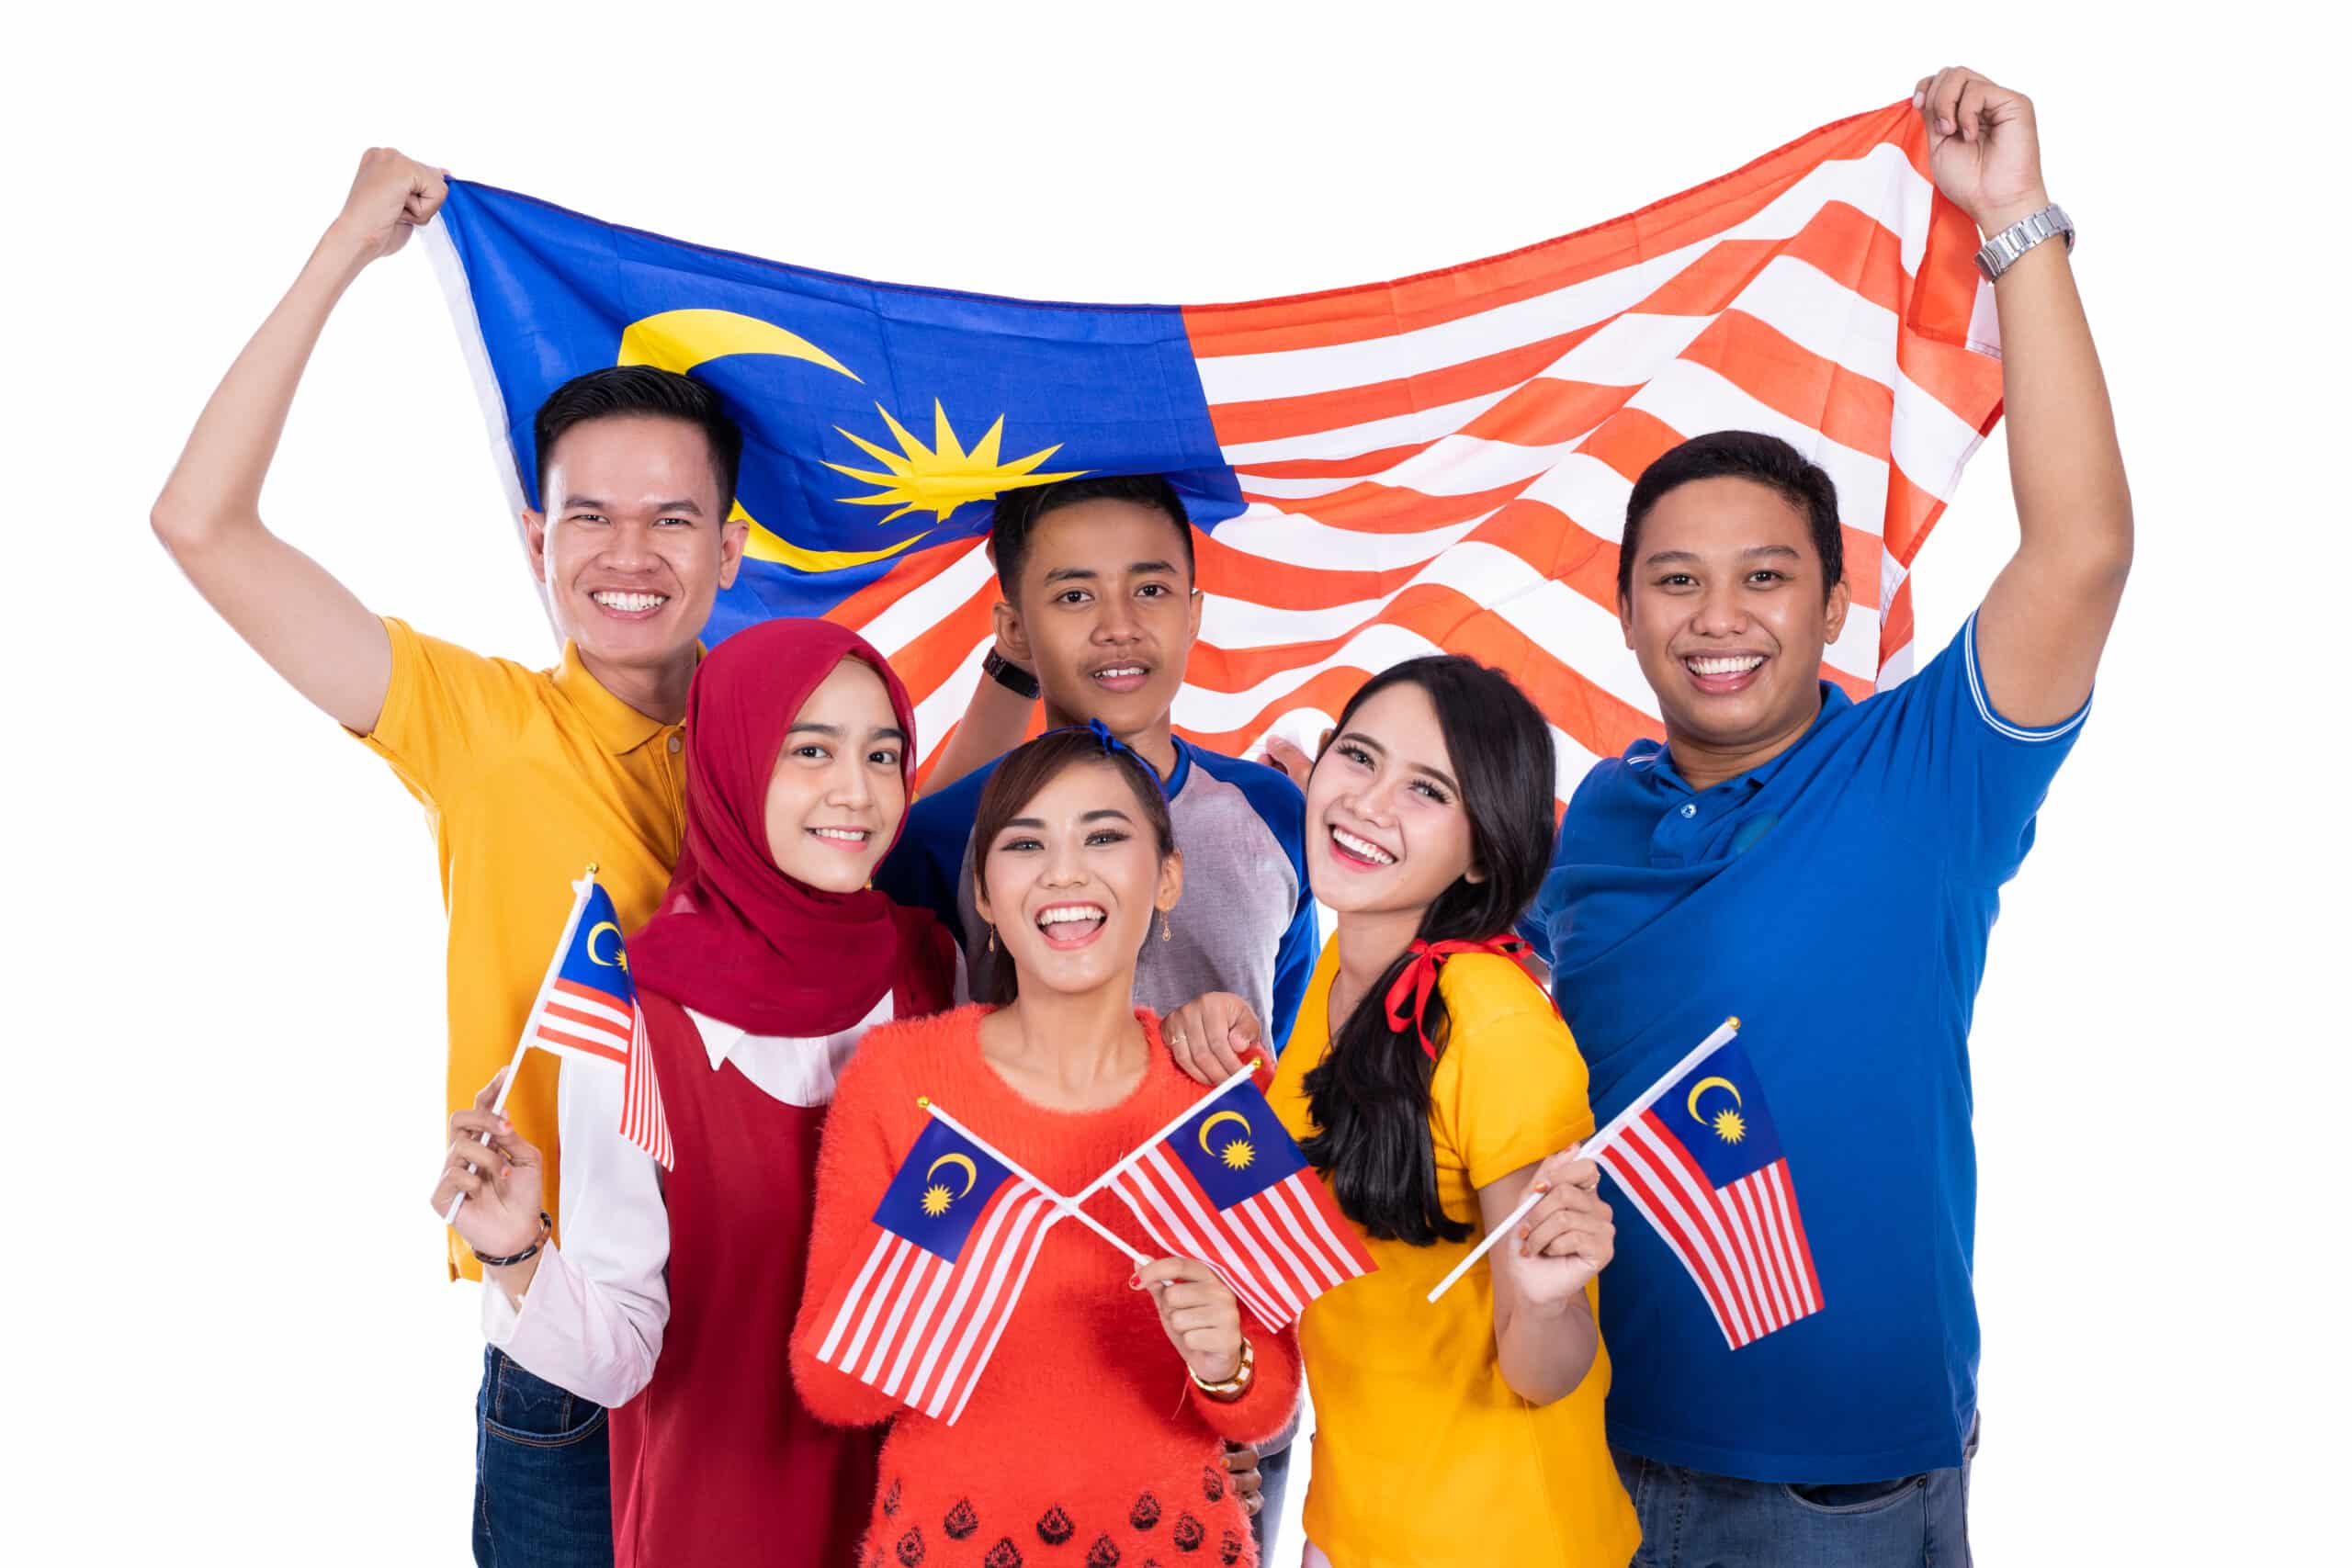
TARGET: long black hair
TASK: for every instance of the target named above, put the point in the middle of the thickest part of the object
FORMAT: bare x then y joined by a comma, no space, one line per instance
1370,1096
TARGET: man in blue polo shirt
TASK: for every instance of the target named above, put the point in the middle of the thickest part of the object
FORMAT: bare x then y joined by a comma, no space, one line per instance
1829,871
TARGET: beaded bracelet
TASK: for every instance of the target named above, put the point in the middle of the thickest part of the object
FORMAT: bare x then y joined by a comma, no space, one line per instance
547,1229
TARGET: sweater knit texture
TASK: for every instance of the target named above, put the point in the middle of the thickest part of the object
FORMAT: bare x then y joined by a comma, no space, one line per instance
1084,1441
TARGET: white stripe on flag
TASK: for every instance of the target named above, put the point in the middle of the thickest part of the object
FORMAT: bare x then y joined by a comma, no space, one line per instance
1701,1201
856,1294
1783,1204
1631,1174
1745,1243
967,1281
1180,1193
894,1317
1027,1201
988,1351
874,1303
1176,1234
1285,1200
1742,1193
1629,1148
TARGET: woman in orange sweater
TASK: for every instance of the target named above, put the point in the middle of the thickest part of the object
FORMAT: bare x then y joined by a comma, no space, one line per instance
1093,1436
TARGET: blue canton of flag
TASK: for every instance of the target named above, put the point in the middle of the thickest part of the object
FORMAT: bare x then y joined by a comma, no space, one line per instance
587,1008
1236,1149
938,1194
872,425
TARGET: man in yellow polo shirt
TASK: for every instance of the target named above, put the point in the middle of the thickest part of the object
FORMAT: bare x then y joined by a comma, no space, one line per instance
528,775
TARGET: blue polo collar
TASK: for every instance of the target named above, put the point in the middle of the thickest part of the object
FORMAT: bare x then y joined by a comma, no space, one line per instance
1651,759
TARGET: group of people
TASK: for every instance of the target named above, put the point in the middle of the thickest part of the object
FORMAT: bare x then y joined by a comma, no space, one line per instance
1064,939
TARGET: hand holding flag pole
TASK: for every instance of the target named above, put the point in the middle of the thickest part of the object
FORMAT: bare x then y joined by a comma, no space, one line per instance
1593,1148
555,967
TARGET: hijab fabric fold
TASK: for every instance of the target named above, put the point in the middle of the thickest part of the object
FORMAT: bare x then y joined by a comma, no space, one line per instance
734,937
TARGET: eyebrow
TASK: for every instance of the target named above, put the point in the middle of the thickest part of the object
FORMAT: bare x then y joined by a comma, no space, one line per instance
1037,824
1369,744
579,502
1665,557
882,732
1088,574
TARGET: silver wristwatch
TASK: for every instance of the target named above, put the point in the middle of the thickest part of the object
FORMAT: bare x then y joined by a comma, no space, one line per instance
2001,252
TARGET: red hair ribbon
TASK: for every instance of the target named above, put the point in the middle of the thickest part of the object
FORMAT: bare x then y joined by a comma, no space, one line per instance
1420,978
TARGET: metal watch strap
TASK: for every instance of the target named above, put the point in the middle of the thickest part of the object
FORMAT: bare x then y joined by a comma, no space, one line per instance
2003,250
1010,676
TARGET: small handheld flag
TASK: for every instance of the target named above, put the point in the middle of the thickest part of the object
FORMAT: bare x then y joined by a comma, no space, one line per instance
1225,1183
953,1241
587,1008
1699,1158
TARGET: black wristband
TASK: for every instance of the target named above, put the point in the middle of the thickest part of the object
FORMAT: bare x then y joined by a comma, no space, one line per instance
1010,676
547,1228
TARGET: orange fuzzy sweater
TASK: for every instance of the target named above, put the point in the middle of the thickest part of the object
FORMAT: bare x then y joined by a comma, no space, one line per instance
1084,1442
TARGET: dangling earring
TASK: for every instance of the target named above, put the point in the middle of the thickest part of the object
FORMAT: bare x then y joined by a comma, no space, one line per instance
991,939
1165,934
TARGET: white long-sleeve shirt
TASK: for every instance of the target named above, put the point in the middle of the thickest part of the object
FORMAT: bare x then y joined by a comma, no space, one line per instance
592,1318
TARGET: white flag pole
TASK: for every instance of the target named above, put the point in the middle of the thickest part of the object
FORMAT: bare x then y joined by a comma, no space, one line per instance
530,1020
1067,1206
1593,1145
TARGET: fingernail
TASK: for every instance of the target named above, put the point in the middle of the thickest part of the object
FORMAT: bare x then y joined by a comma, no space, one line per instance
1135,1281
1944,126
1542,1186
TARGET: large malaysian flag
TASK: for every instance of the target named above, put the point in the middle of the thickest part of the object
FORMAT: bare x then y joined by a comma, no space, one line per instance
1378,471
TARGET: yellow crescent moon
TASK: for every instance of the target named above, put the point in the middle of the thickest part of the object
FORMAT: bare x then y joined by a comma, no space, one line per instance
679,340
971,1171
1701,1087
621,960
1221,1116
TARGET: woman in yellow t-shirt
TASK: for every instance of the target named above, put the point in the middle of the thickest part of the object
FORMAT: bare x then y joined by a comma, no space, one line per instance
1430,1079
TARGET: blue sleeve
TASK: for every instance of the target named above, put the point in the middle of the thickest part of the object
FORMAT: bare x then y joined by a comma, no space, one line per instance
923,869
1283,808
1293,967
1973,780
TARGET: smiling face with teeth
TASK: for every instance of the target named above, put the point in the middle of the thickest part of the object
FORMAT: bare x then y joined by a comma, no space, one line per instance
1071,880
1105,613
1726,610
1387,833
838,790
633,548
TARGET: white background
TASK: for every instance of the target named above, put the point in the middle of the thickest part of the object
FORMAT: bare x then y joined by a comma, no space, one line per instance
228,1319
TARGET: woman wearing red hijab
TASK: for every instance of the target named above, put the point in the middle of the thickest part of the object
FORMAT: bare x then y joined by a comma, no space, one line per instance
672,1299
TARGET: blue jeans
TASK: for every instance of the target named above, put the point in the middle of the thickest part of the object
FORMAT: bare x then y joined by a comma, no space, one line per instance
543,1485
1692,1519
1274,1480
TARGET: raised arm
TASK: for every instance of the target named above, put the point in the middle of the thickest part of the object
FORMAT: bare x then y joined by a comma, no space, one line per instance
2044,622
308,625
994,722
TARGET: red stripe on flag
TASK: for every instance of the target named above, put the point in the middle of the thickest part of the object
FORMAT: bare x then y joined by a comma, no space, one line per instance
1375,310
1631,1165
1701,1193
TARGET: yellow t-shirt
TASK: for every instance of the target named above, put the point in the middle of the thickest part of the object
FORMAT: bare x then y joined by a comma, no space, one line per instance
1423,1454
527,776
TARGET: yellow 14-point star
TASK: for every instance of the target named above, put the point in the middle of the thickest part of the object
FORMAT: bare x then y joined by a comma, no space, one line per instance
941,477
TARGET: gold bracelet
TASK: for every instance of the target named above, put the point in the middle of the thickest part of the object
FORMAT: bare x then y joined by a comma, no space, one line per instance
1234,1387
